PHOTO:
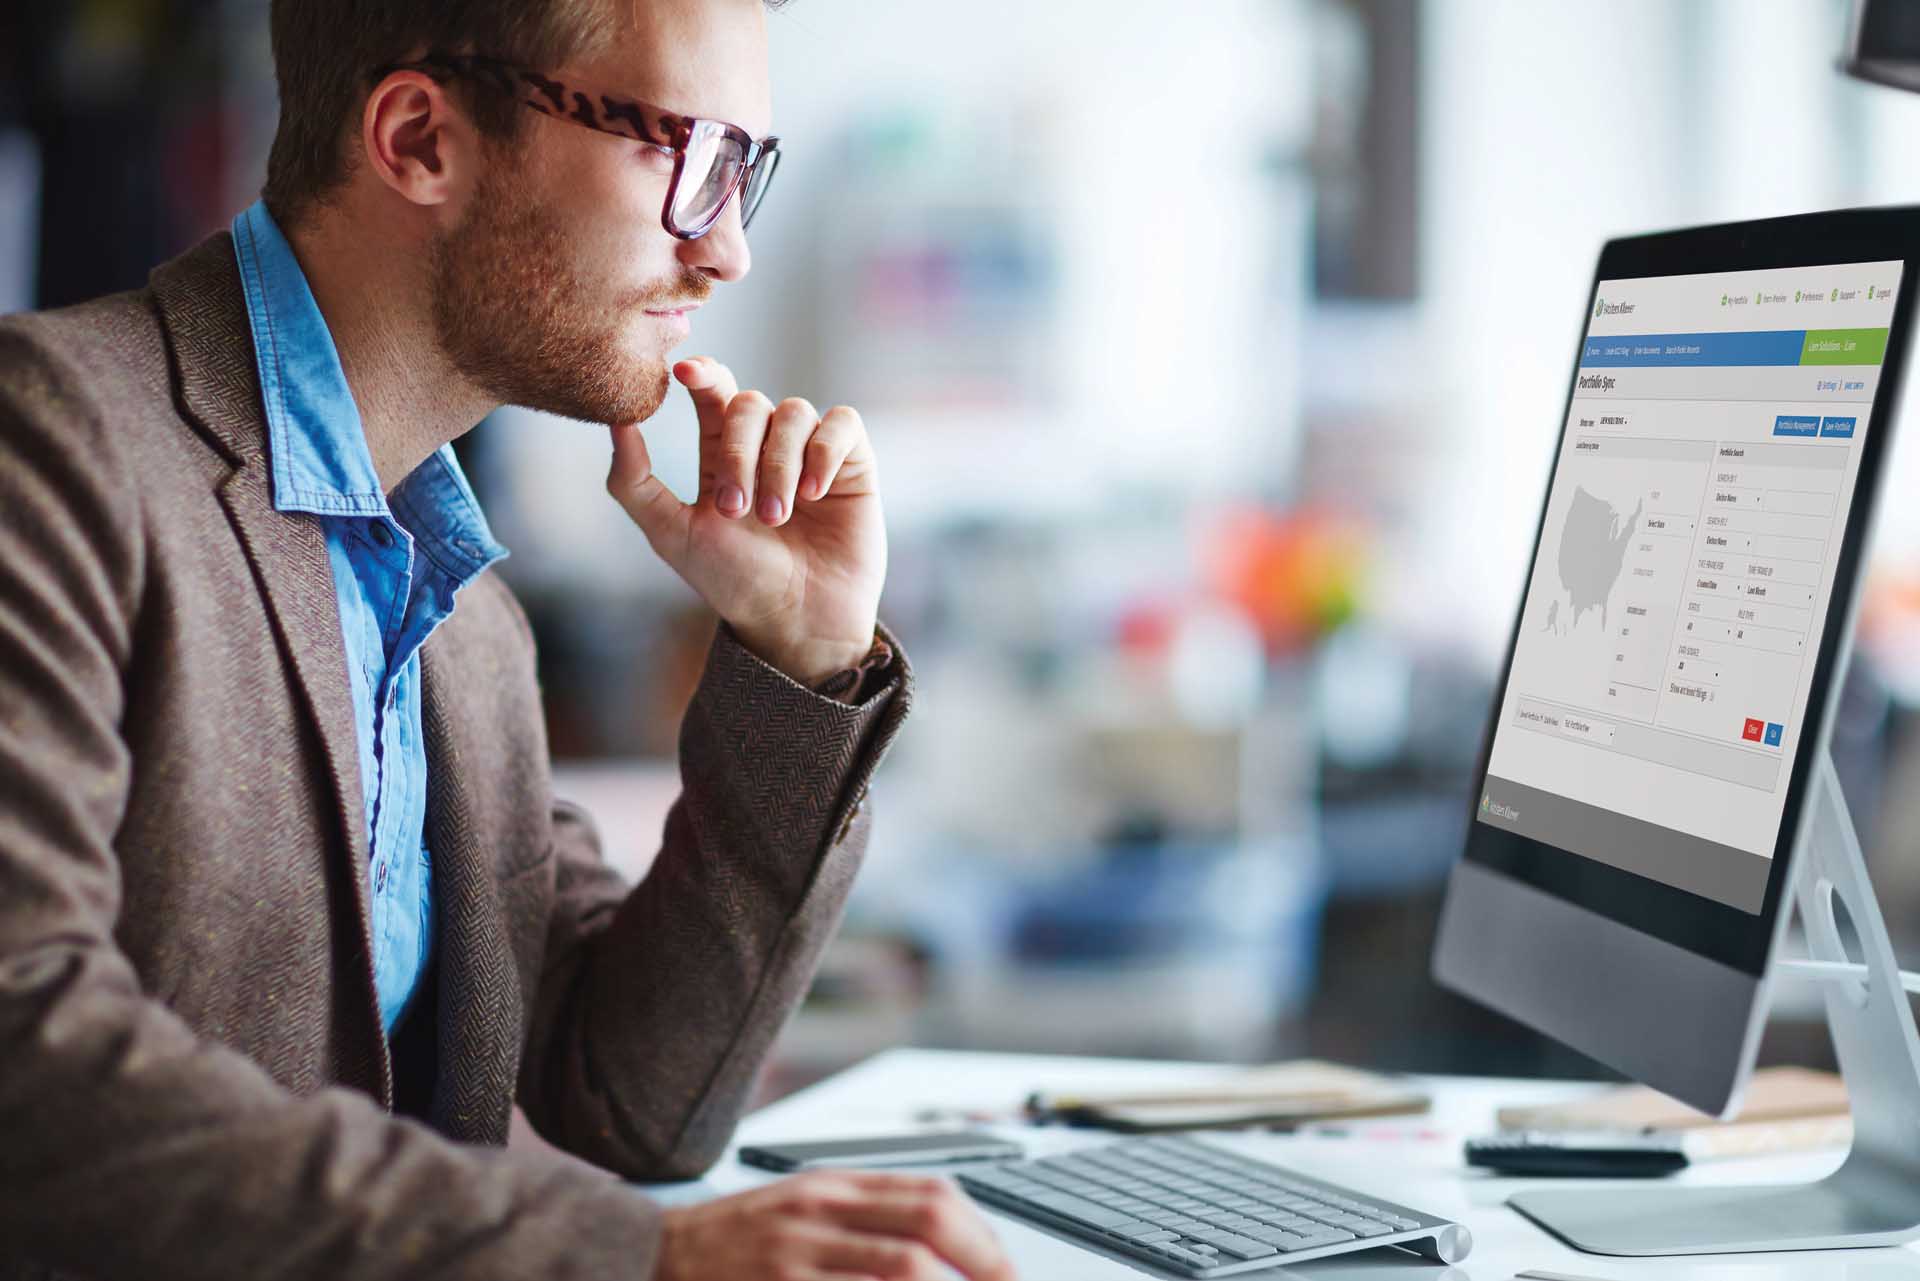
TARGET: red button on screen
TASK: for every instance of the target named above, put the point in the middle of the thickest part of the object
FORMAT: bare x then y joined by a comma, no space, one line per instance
1754,730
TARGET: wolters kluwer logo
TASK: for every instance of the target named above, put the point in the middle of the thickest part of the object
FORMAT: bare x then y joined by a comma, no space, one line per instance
1489,810
1485,800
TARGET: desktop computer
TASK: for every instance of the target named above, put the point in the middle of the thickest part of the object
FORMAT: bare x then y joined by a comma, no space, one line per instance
1653,790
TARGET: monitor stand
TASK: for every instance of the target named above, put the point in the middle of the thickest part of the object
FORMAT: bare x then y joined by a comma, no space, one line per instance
1873,1199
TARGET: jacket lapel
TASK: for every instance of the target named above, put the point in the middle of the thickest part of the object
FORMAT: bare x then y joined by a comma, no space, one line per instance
204,313
479,990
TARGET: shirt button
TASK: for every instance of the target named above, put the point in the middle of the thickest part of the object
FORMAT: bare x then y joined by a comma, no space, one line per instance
382,535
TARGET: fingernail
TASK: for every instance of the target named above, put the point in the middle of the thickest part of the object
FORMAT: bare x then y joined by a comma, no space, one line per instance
733,499
771,509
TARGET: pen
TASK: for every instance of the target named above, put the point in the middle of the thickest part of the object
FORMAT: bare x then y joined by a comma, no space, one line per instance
1396,1132
1040,1102
934,1114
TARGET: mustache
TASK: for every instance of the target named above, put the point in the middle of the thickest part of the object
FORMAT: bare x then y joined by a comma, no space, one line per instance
688,289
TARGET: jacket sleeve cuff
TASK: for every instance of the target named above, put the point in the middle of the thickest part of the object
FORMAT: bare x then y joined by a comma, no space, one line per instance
807,757
854,685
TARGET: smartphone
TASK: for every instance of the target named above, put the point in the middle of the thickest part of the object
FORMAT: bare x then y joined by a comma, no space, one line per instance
900,1149
1595,1155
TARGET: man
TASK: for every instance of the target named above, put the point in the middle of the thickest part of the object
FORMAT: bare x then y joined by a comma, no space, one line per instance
288,917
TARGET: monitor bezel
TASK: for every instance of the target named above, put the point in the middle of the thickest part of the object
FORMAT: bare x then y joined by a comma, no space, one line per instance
1698,924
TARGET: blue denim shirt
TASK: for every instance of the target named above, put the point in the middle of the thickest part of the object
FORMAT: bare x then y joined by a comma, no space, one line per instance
397,564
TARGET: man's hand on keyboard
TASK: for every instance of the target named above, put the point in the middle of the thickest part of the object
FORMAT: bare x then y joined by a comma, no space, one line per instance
832,1224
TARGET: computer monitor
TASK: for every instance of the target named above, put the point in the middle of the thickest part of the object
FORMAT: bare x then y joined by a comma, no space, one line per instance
1680,642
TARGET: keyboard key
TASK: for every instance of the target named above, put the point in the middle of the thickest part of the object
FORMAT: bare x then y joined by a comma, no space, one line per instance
1072,1207
993,1176
1179,1255
1236,1245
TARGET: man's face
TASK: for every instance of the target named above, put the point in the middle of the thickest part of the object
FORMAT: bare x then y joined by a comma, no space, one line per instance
558,288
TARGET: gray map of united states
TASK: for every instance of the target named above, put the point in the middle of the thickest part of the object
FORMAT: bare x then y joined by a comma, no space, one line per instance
1593,546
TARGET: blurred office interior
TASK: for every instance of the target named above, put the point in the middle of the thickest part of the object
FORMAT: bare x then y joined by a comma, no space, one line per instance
1214,360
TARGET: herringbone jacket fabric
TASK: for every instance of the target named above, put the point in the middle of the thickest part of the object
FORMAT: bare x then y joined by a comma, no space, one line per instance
193,1080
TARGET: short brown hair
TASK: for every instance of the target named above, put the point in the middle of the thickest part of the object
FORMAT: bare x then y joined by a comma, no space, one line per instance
327,54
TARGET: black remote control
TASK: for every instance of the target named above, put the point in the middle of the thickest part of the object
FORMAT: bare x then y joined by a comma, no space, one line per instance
1578,1154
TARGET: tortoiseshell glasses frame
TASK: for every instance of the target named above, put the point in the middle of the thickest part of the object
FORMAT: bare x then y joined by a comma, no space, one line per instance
722,158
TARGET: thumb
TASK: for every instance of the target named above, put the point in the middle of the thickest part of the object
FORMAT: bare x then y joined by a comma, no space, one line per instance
659,513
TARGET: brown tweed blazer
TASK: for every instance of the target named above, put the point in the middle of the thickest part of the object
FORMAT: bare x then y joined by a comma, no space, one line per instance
193,1079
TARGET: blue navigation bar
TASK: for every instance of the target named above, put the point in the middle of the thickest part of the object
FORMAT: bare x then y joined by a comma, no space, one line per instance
1749,347
1796,425
1833,427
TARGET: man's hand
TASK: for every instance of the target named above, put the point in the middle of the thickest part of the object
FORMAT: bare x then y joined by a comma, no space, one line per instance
833,1226
785,540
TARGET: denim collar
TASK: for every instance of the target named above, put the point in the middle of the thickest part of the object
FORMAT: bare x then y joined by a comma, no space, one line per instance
317,445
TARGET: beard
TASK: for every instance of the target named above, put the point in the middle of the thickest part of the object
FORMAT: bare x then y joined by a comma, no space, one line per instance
531,326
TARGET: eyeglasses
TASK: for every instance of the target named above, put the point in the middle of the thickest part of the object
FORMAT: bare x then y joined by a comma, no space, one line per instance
711,158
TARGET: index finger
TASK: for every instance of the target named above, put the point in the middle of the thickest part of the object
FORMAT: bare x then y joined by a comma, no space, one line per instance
711,385
941,1218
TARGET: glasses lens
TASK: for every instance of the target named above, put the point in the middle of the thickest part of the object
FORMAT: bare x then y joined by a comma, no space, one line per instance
707,177
757,183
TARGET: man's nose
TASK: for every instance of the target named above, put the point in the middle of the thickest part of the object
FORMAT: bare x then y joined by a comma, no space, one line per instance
722,253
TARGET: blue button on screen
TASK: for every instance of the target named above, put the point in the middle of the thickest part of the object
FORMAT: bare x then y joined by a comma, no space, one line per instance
1796,425
1774,730
1836,427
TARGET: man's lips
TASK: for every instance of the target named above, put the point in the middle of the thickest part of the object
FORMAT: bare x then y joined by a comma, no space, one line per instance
676,319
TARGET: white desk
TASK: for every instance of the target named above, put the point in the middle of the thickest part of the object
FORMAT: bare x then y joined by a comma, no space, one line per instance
1413,1160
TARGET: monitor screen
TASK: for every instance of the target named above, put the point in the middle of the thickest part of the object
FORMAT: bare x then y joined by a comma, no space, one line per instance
1666,646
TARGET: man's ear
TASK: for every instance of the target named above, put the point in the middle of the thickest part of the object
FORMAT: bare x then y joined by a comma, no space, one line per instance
415,140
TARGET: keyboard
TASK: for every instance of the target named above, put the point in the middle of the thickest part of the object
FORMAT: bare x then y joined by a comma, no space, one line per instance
1196,1210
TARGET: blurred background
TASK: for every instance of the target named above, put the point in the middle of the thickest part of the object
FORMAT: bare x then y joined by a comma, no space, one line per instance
1215,366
